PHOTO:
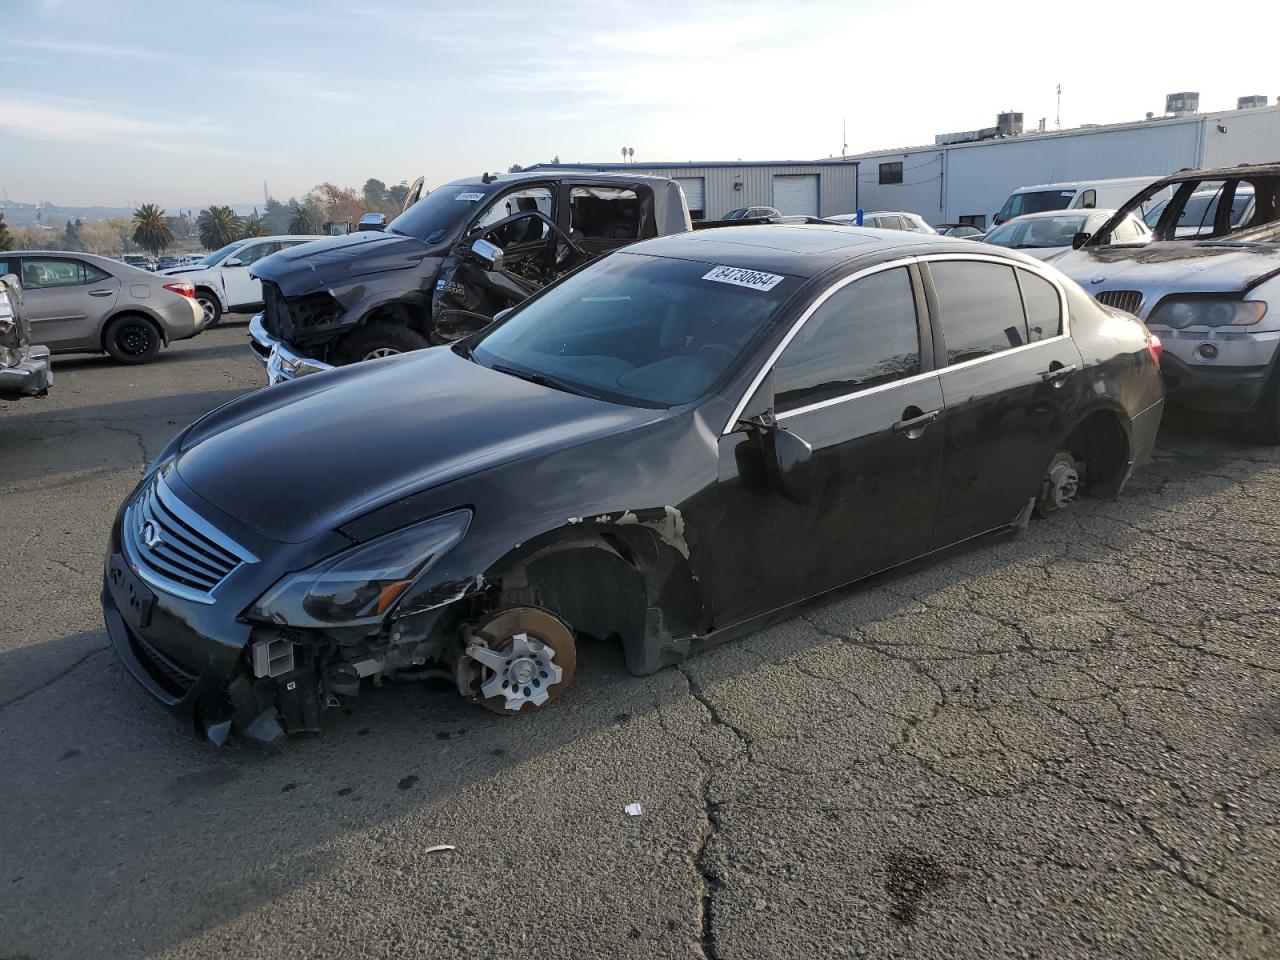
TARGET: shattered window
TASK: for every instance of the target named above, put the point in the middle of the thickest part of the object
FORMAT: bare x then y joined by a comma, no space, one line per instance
604,213
519,201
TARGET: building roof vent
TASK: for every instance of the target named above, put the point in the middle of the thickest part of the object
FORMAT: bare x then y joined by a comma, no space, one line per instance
1249,103
1180,104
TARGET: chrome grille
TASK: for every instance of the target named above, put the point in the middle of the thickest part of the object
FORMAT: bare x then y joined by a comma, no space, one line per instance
174,548
1127,300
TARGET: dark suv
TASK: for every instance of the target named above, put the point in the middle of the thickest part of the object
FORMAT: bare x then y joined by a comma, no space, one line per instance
448,264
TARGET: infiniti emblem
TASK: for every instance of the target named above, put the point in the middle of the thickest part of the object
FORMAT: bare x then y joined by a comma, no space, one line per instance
150,535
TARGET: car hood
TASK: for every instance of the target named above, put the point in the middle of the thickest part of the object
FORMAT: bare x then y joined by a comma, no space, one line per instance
1173,264
335,260
175,271
305,457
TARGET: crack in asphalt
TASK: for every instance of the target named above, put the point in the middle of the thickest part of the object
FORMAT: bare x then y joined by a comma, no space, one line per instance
61,674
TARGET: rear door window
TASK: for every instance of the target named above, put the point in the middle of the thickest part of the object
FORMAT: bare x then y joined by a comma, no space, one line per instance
979,307
39,273
863,335
605,213
1042,305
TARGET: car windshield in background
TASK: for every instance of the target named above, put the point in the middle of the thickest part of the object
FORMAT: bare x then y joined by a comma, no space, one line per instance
635,329
218,255
1042,201
1036,233
436,215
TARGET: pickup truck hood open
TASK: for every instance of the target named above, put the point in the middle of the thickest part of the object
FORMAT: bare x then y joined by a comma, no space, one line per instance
1174,264
302,458
337,260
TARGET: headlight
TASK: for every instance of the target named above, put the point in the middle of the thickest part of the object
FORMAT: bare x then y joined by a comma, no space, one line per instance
1179,312
360,585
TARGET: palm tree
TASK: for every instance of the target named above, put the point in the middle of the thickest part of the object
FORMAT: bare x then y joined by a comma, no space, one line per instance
305,217
150,231
218,226
254,227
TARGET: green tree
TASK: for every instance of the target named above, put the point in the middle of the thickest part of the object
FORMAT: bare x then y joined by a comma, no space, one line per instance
71,234
218,226
254,227
374,191
514,168
305,217
150,231
6,238
276,216
397,194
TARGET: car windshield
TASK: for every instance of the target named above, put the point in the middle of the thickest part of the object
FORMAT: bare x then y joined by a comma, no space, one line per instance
1035,232
635,329
437,214
736,214
1039,201
218,255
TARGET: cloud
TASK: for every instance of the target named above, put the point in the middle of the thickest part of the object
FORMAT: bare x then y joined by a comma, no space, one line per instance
292,83
87,48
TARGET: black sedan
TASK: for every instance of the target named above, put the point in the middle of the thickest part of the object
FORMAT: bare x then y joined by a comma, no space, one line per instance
665,450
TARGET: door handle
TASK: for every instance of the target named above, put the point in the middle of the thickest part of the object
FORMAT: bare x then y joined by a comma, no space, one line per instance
101,293
1056,375
916,423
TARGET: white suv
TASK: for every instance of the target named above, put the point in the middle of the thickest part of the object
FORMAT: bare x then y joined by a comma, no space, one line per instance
222,280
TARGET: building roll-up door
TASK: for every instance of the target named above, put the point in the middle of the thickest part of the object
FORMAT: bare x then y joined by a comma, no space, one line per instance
796,195
694,195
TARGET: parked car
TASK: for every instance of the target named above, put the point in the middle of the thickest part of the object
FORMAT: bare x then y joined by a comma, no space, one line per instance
448,264
223,281
1070,195
164,263
1213,297
24,369
960,231
751,213
139,261
668,448
887,220
1199,213
82,303
1047,236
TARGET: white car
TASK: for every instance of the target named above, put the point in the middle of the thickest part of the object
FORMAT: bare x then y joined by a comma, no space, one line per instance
887,220
1048,235
222,280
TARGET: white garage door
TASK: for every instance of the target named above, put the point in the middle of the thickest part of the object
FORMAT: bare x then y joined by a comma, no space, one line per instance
694,195
796,195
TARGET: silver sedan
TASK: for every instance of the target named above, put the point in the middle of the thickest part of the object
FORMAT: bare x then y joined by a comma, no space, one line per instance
81,303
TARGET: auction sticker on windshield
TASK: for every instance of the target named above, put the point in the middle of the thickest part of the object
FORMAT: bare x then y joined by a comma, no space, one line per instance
469,196
742,277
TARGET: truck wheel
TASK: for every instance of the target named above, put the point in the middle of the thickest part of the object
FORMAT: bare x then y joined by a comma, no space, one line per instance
378,340
131,339
211,307
1266,412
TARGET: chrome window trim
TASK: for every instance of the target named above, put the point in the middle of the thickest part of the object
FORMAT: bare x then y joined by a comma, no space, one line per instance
1036,269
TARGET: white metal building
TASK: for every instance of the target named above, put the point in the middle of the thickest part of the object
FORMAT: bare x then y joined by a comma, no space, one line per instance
803,187
968,182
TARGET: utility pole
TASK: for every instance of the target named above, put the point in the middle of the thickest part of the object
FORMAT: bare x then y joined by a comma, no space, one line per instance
844,138
1058,119
266,195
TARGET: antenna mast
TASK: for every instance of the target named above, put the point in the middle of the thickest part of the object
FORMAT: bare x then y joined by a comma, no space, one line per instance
1058,119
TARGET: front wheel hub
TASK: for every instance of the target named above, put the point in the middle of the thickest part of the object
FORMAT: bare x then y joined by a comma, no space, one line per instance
518,660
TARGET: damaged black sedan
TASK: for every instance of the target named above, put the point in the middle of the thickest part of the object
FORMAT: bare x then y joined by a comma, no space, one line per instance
663,450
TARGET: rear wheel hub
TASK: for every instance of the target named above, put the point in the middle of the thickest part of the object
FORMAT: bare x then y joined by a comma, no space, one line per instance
1060,487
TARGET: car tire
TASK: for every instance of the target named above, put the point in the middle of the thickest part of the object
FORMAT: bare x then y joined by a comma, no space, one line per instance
209,304
1266,412
132,339
378,340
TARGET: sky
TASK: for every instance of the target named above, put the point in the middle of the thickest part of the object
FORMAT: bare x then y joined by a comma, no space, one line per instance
116,102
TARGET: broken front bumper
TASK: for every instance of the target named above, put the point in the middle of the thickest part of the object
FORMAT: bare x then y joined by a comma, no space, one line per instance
30,377
281,362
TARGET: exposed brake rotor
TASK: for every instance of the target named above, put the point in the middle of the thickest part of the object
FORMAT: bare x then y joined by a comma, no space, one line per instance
525,657
1060,487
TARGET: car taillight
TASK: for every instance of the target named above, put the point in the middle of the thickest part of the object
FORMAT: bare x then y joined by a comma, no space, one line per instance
1155,348
182,287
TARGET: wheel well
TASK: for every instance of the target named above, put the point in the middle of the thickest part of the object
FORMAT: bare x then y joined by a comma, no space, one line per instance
401,312
123,314
1100,442
205,288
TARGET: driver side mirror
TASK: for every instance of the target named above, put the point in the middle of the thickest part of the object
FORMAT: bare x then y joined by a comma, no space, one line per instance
788,458
1079,240
488,252
233,262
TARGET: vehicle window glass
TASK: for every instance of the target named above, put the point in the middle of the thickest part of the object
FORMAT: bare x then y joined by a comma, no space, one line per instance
1037,232
980,308
439,212
642,330
889,223
531,229
38,273
92,274
1038,201
8,266
863,335
254,252
604,213
1042,305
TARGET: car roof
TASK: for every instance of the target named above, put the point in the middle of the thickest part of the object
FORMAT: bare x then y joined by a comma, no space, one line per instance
577,176
799,250
1069,212
1222,173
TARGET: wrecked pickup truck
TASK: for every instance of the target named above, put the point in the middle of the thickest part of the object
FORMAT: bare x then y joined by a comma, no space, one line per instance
667,449
448,264
1207,283
24,369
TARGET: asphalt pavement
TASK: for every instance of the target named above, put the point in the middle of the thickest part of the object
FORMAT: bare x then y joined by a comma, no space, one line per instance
1063,745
